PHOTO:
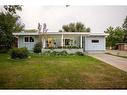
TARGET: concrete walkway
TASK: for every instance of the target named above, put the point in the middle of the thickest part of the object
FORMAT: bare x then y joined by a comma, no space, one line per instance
115,61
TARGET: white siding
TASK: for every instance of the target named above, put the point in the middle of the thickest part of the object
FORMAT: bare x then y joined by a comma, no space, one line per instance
94,47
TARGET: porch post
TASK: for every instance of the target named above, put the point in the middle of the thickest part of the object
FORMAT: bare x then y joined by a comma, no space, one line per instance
62,40
81,41
43,43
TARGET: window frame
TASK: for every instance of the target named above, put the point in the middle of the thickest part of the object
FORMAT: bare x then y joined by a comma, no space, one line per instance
95,41
29,39
70,40
25,39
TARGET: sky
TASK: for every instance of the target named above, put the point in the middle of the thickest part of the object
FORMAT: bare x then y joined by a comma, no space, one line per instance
98,18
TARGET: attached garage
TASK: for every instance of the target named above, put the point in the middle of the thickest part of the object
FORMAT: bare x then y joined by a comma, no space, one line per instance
94,44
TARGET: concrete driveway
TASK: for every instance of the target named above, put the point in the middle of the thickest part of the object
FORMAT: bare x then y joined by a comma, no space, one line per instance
115,61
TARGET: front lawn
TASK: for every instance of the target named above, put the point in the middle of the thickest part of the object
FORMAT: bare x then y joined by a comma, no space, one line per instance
65,72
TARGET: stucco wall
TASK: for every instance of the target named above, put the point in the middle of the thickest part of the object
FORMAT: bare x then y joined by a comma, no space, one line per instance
94,47
28,45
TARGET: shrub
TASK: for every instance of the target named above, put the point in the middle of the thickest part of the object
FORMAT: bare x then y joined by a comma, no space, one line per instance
4,48
79,53
55,53
47,53
63,53
37,47
64,47
75,47
19,53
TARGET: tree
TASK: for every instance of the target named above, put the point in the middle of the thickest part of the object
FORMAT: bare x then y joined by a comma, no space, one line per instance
116,35
9,23
75,27
125,30
31,30
60,30
12,8
65,28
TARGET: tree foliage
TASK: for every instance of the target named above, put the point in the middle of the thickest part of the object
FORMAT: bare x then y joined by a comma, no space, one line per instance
30,30
75,27
9,23
116,35
12,8
125,30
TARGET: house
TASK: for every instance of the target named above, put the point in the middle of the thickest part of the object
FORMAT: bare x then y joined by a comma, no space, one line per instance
70,41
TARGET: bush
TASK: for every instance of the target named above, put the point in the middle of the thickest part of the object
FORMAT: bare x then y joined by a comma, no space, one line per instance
63,53
55,53
4,48
64,47
79,53
47,53
37,47
19,53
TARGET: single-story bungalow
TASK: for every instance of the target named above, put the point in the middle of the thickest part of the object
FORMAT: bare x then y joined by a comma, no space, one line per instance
70,41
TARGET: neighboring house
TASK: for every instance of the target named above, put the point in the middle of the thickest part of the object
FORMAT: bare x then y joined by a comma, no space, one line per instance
122,46
79,41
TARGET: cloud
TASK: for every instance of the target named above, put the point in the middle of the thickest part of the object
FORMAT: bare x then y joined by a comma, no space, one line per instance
98,18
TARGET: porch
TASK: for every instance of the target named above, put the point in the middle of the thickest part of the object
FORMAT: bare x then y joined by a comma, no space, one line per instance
64,41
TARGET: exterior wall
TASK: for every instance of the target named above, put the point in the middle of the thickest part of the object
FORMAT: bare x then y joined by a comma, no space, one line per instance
57,38
94,47
88,46
28,45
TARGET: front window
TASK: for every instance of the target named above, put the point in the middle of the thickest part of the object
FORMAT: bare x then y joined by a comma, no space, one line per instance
95,41
26,39
29,39
67,41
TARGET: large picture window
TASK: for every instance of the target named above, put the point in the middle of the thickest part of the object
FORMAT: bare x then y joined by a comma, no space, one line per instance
28,39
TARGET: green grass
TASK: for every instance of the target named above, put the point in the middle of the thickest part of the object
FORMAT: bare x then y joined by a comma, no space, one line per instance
65,72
